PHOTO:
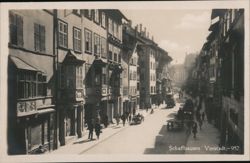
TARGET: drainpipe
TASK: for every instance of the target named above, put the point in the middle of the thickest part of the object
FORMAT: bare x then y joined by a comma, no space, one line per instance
55,65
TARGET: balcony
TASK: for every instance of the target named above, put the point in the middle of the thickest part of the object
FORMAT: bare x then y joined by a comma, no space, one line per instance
33,105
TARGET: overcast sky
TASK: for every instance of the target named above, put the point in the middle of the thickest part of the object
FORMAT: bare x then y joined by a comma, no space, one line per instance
176,31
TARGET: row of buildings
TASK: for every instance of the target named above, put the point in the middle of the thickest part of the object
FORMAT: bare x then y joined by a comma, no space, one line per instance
219,74
66,67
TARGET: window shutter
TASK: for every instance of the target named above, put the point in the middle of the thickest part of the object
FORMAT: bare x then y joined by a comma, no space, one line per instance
19,31
42,38
36,36
12,26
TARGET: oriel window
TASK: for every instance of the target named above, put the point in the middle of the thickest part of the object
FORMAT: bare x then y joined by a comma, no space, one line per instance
16,29
103,47
39,37
63,34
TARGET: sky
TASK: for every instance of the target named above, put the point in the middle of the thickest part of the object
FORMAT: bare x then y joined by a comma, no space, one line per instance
178,31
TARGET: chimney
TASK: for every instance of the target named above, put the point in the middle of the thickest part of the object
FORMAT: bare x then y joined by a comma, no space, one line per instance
140,28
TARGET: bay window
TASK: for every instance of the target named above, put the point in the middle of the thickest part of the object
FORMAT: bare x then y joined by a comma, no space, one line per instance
96,44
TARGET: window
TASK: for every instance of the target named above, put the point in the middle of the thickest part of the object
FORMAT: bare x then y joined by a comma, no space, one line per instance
79,72
88,40
115,29
110,52
88,14
125,73
96,16
104,75
41,85
103,20
31,84
62,76
16,29
151,89
110,27
130,75
119,57
120,32
115,54
63,34
96,44
77,40
39,37
103,47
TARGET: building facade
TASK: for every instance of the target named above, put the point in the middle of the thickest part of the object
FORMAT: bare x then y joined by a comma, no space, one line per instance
31,109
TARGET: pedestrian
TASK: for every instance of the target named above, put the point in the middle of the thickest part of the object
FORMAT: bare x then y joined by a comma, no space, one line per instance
105,121
194,129
97,128
123,117
203,116
117,119
129,118
200,123
91,128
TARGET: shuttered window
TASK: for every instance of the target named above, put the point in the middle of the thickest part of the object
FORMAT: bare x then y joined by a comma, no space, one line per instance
39,37
16,29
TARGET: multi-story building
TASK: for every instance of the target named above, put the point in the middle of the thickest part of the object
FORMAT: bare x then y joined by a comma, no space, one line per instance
31,79
130,57
114,44
70,61
220,75
147,75
163,82
94,25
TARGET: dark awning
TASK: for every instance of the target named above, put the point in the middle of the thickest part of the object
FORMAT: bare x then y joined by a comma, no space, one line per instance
71,57
22,65
217,12
99,61
214,26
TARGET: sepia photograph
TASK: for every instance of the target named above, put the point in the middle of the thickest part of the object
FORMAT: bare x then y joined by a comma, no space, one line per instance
125,81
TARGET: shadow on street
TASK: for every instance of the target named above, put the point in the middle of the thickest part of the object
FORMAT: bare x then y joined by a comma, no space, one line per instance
167,139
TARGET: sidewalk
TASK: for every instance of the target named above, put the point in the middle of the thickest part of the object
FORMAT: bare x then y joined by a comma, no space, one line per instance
78,146
206,141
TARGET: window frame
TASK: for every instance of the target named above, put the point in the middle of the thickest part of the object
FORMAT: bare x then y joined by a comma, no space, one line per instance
87,31
77,40
64,34
97,44
16,29
39,38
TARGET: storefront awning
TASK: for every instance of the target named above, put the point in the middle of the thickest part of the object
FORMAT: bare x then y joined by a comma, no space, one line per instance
20,64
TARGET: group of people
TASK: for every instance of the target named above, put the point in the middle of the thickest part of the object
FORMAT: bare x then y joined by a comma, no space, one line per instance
94,124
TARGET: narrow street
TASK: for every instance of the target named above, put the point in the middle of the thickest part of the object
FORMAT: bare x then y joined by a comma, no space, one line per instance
150,137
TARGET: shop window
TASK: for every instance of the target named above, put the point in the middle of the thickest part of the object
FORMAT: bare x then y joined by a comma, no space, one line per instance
16,29
63,34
